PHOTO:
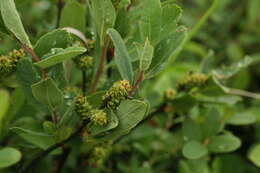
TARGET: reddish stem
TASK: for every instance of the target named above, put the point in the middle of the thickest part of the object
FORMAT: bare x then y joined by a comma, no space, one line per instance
100,67
137,83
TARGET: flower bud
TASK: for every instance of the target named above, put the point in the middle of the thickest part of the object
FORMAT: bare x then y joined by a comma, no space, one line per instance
82,107
98,117
170,94
118,92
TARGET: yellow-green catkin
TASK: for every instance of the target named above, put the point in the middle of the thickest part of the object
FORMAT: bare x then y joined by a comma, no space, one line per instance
98,117
193,80
8,63
82,107
118,92
84,62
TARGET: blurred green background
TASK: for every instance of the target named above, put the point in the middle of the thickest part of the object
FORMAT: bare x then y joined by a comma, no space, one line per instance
230,33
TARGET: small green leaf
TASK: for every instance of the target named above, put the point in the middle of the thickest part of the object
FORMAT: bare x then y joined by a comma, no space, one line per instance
13,22
60,56
9,156
129,113
73,15
212,124
104,16
191,130
194,150
254,155
146,55
122,57
111,124
38,139
47,92
242,119
224,143
55,39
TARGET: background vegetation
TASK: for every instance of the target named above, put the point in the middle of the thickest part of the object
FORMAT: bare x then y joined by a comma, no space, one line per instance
213,127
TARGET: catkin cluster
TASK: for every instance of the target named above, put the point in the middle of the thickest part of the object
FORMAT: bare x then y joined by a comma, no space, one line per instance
84,62
82,107
8,63
85,111
118,92
193,80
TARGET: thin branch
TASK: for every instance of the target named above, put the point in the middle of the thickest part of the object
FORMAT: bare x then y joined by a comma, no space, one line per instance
84,82
239,92
62,159
44,153
60,5
100,67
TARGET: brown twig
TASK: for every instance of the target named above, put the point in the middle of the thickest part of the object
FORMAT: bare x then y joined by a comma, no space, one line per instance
100,66
44,153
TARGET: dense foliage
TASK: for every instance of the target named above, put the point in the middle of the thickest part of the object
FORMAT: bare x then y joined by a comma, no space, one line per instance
133,86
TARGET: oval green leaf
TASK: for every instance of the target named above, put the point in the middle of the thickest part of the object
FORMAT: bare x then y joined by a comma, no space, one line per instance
122,57
194,150
9,156
61,56
13,22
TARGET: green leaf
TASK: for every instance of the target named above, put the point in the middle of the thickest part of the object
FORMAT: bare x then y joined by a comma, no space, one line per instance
55,39
242,119
212,124
60,56
194,150
254,155
146,54
129,113
38,139
170,16
150,20
67,116
104,16
4,103
111,124
233,69
26,76
13,22
9,156
73,15
3,29
191,130
122,57
47,92
166,49
224,143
